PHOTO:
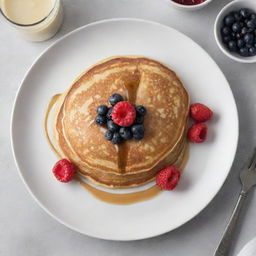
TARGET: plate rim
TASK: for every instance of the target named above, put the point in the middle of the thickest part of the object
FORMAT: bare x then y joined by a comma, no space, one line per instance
105,237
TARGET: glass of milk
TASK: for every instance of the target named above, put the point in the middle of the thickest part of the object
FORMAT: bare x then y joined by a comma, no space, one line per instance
35,20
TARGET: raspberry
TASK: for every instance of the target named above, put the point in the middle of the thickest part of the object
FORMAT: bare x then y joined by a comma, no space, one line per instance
63,170
200,112
197,133
168,178
123,113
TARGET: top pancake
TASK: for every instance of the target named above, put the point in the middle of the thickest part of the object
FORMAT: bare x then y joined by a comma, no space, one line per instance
141,81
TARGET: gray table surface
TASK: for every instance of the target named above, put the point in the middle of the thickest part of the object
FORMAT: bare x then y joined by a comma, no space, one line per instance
25,229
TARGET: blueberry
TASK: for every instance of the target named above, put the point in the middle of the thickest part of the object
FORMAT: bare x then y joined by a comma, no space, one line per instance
237,16
233,35
238,35
141,110
109,113
226,31
109,135
137,128
232,46
113,99
102,110
138,136
240,43
244,52
252,51
242,24
229,20
236,27
244,30
250,30
116,139
101,120
248,38
139,119
226,39
138,131
125,133
251,23
253,16
245,13
248,45
112,126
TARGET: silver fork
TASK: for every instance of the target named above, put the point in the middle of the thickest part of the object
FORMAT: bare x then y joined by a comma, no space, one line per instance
248,180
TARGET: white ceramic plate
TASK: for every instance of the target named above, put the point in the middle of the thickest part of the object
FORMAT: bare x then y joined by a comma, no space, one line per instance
53,72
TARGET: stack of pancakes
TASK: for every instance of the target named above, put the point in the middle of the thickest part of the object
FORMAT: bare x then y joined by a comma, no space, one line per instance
141,81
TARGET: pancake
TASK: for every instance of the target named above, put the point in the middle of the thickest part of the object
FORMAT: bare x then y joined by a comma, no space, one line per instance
141,81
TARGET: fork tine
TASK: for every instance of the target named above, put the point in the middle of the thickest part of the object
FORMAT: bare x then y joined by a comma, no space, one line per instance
252,160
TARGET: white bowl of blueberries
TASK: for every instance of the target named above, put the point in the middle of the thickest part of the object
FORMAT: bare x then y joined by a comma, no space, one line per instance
235,30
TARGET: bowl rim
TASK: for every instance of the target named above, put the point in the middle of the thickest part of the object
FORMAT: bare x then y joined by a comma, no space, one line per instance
222,47
190,7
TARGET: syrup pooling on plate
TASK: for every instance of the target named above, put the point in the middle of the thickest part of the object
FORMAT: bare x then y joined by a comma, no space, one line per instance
128,198
52,102
135,197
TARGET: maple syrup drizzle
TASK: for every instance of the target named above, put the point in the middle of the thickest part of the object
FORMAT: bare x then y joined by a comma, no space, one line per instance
131,88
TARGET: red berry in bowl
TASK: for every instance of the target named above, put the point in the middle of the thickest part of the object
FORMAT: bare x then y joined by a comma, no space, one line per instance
123,113
64,170
197,133
200,113
189,2
168,178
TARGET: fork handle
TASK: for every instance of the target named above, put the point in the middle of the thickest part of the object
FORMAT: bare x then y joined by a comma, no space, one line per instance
226,241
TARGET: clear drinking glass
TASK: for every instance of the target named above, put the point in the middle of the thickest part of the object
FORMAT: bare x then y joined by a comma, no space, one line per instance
40,30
